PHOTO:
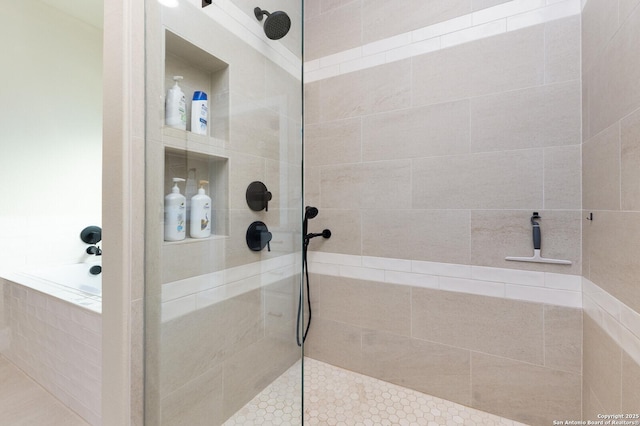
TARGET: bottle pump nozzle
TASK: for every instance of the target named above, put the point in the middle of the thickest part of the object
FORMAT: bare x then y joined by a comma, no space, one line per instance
202,184
175,188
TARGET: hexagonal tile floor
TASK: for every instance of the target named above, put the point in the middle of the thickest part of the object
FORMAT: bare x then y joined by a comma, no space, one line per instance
334,396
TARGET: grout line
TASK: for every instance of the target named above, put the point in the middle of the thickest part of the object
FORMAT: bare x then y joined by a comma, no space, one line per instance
544,336
619,147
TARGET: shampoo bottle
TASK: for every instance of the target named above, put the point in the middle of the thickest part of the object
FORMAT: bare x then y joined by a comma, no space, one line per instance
175,226
199,113
176,107
200,213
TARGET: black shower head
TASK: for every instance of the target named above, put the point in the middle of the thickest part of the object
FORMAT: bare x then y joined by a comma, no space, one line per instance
276,25
310,212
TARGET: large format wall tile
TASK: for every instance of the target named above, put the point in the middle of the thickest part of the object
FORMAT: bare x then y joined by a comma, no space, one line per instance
517,359
199,341
613,79
365,304
333,143
483,4
599,23
383,88
591,407
312,103
528,393
614,263
562,177
334,342
562,50
428,131
601,170
424,366
497,180
334,31
245,376
505,62
382,19
198,402
563,338
630,384
367,185
434,235
528,118
602,366
630,162
479,323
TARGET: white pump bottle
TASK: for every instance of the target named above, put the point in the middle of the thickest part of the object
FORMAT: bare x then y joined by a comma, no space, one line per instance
175,225
176,107
200,213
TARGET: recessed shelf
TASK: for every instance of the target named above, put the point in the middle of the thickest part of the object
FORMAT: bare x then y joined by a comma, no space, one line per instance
188,141
201,71
193,167
190,240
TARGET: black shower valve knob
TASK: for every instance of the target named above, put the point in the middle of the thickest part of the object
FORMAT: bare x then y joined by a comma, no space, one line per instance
258,236
258,196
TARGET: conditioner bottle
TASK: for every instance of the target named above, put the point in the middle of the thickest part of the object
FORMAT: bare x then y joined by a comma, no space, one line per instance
175,225
200,213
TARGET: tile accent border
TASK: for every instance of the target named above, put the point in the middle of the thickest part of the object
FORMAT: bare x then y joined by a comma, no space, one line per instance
618,320
503,18
190,294
530,286
574,291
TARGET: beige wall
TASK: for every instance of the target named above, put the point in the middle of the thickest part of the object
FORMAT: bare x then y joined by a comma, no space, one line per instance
444,156
332,26
204,363
520,360
611,191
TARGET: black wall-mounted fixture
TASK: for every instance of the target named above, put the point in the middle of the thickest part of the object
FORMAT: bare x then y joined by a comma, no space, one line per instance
206,3
91,234
258,236
258,196
276,25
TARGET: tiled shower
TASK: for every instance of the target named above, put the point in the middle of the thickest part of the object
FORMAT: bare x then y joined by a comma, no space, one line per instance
433,130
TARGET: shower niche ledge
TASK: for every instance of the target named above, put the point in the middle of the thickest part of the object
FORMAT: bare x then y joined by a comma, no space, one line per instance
194,166
201,71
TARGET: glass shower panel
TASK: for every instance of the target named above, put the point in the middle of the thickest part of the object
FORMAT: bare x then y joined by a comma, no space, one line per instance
220,311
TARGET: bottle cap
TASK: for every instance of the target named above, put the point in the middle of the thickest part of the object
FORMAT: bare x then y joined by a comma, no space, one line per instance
199,96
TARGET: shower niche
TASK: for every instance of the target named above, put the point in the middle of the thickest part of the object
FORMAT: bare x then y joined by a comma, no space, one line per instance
202,71
195,157
194,167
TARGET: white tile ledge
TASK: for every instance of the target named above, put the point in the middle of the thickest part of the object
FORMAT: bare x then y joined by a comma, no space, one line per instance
515,284
618,320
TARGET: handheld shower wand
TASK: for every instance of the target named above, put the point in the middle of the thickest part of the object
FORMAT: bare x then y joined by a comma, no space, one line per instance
309,213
